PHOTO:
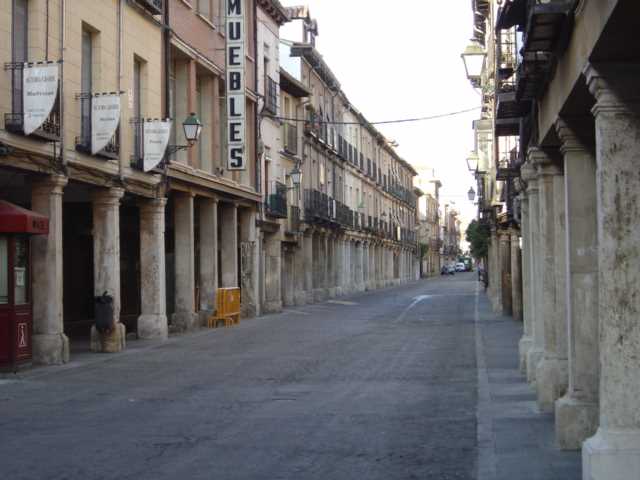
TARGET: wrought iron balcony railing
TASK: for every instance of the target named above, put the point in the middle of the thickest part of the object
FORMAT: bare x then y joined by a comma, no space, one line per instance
152,6
83,142
14,121
294,219
277,201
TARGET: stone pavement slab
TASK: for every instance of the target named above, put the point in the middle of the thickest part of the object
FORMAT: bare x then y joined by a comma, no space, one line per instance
517,439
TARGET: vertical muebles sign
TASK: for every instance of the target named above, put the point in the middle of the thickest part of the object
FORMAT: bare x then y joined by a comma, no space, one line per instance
235,83
40,90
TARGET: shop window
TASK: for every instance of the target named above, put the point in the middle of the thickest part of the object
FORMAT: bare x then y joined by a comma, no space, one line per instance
21,271
4,270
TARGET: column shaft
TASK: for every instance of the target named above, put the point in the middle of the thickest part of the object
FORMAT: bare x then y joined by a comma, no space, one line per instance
50,344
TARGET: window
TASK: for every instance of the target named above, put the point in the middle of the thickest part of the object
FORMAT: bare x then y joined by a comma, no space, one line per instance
137,106
4,270
20,44
21,271
86,74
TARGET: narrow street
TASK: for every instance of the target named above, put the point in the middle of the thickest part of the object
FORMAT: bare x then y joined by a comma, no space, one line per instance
382,385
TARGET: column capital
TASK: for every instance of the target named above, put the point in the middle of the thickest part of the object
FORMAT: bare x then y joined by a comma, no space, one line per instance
614,86
566,130
152,205
107,196
50,185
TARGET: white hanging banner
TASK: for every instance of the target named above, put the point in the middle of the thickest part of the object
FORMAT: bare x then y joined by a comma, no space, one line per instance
105,117
156,135
39,92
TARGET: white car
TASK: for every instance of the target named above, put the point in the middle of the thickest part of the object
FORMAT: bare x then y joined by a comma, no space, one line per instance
460,267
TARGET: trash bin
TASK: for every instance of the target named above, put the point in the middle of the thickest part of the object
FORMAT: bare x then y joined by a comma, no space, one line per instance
103,312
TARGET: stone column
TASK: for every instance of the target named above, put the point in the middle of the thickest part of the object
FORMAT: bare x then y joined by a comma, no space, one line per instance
614,452
318,267
347,286
185,317
339,263
229,244
152,322
495,274
527,338
299,295
552,370
372,267
50,344
365,266
504,271
536,352
106,264
308,263
331,266
273,270
516,276
208,257
250,248
577,411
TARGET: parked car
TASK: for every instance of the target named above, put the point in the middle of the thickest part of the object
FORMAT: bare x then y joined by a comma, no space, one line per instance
460,267
448,270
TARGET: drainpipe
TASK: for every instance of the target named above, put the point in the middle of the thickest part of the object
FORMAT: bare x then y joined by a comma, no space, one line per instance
255,117
120,59
63,29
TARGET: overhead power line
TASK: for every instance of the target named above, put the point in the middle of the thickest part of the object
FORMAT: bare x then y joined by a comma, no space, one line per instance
383,122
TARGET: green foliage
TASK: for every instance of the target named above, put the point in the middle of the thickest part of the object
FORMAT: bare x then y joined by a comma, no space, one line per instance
478,235
424,249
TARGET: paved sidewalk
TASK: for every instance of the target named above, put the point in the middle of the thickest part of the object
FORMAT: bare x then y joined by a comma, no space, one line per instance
515,440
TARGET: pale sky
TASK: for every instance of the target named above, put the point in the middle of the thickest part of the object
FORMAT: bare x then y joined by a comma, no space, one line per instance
401,59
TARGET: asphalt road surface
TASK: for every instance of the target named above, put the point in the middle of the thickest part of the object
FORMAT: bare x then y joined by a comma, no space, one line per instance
381,385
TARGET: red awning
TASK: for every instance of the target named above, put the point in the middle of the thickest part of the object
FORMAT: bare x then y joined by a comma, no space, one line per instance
15,219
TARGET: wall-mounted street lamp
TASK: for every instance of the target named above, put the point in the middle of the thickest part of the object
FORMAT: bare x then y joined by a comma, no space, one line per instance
471,194
296,177
473,58
192,128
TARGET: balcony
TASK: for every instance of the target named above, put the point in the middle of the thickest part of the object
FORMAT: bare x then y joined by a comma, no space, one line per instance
344,215
276,205
271,96
14,122
316,207
154,7
293,225
291,139
83,142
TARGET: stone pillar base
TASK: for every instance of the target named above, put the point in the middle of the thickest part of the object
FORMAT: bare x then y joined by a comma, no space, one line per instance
534,355
112,342
319,295
339,292
273,306
184,321
153,327
575,422
611,455
50,349
332,292
551,382
300,298
524,346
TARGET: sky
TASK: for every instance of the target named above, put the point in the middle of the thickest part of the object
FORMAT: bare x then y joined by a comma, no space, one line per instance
401,59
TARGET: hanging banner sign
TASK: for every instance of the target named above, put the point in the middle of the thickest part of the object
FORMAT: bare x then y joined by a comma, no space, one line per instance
105,117
156,135
235,83
39,93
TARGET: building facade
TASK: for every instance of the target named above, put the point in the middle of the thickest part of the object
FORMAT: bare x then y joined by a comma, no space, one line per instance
429,230
98,100
561,80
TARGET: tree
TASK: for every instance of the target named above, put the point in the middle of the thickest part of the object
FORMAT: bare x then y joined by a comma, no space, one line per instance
478,235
